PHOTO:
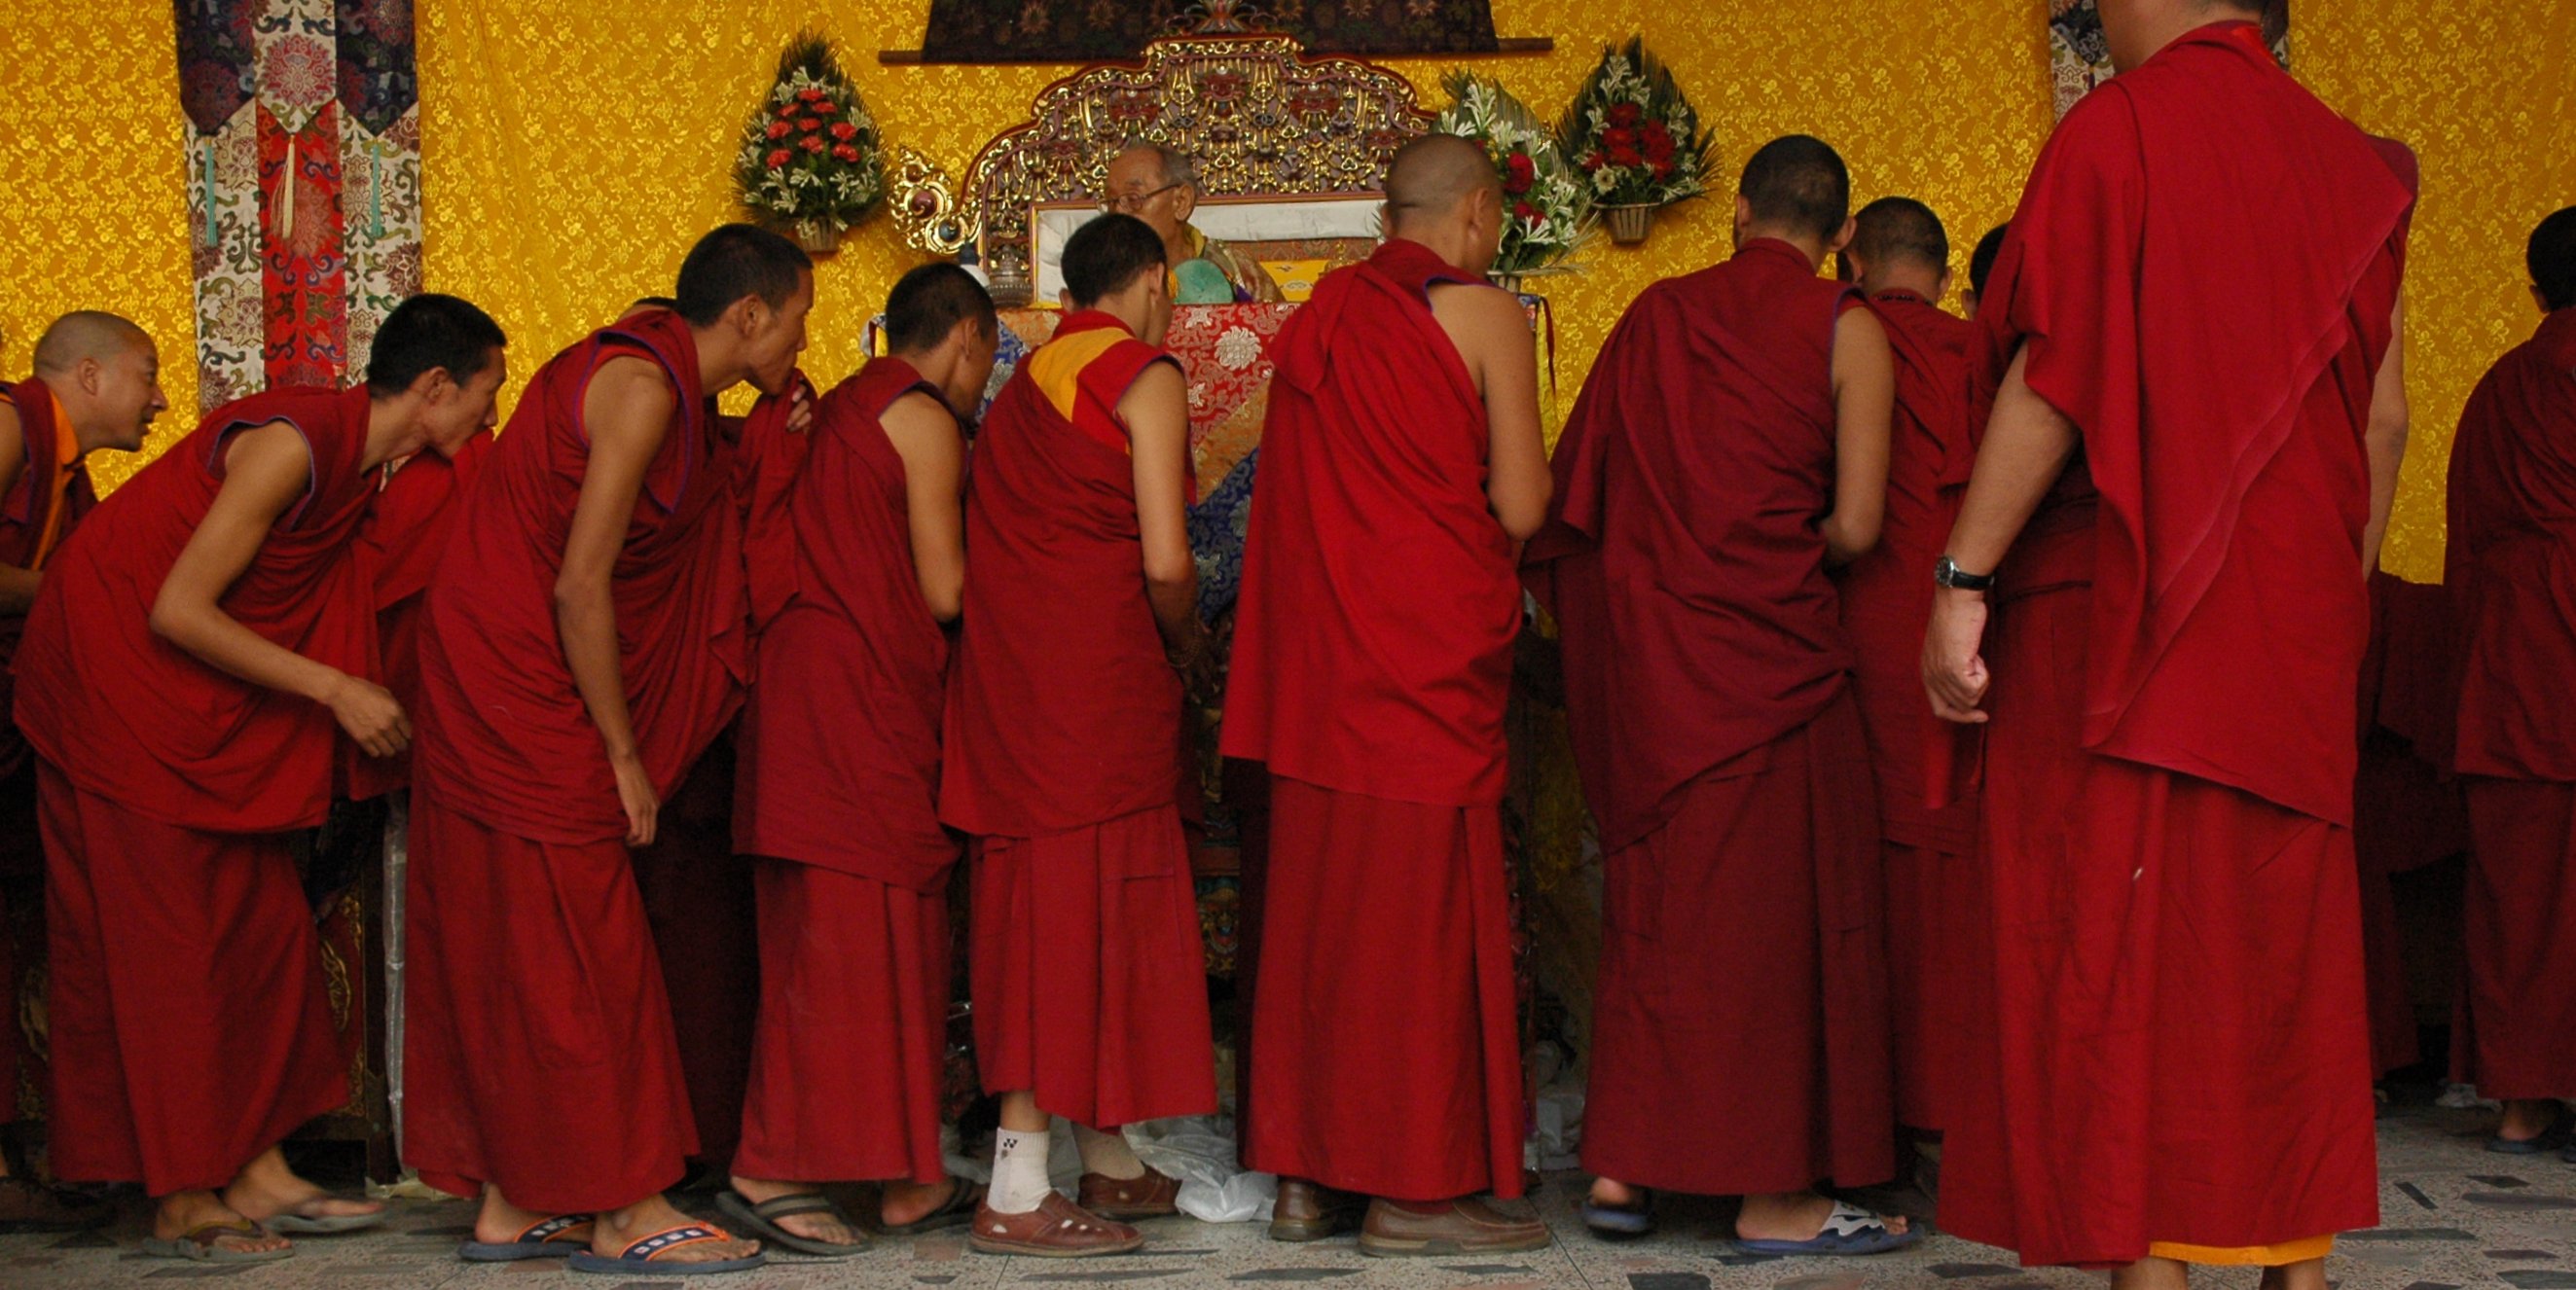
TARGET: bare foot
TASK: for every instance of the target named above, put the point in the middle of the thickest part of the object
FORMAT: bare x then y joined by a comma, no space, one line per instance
1614,1194
2528,1118
2152,1273
906,1203
819,1225
499,1222
181,1212
619,1228
1794,1216
266,1188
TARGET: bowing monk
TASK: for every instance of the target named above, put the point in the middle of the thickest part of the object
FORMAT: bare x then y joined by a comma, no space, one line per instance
1061,756
585,640
1902,256
1730,446
1401,462
2169,521
837,787
193,648
2512,572
97,385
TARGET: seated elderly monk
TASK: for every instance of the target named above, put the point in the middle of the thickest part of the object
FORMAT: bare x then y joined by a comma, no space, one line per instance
1160,185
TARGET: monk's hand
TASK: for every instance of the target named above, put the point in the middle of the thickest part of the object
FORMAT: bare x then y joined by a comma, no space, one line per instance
800,407
1954,668
371,716
635,793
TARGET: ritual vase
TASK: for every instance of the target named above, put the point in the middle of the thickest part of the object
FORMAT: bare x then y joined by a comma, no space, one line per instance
816,237
1629,221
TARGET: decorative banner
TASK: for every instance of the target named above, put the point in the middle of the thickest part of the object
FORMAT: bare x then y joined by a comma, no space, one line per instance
2079,58
1086,31
303,184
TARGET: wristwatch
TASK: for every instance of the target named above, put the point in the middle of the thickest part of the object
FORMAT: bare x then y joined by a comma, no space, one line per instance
1947,572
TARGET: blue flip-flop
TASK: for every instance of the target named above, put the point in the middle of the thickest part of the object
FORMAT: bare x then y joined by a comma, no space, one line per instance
637,1259
2559,1135
547,1238
1848,1231
1621,1221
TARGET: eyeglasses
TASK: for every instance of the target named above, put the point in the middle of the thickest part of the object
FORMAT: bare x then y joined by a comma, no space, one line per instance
1130,203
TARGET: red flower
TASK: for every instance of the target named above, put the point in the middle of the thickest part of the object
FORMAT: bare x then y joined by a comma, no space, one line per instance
786,109
846,153
824,107
777,157
1519,172
1616,139
1659,141
844,131
811,143
778,129
1626,158
1591,161
810,93
1663,170
808,124
1525,211
1624,114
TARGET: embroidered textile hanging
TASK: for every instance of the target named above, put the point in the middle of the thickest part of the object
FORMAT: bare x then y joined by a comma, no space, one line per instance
303,184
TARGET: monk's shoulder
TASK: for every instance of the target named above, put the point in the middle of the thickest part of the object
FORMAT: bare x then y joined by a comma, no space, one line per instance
1481,318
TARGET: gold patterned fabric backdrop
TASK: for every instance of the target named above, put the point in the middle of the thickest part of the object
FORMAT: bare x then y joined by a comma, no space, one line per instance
571,150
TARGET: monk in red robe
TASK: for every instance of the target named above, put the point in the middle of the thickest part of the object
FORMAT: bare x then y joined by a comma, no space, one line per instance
1902,257
97,385
2171,515
837,788
1729,448
1981,265
2512,572
196,648
1061,756
586,638
1401,462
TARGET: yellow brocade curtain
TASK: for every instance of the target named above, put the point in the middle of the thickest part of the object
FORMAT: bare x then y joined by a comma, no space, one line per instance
572,149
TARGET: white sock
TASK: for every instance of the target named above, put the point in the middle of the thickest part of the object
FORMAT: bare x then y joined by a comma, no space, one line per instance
1019,1171
1107,1153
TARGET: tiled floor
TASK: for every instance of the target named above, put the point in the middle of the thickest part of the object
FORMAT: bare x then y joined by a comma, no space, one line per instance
2457,1218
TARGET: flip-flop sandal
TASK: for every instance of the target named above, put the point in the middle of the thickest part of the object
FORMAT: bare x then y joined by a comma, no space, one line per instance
547,1238
957,1211
638,1258
1849,1230
198,1244
763,1219
291,1223
2558,1136
1636,1218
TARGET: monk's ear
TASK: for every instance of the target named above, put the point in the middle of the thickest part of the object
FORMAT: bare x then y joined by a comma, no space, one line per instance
1844,236
1185,203
2541,300
1943,289
434,386
1064,299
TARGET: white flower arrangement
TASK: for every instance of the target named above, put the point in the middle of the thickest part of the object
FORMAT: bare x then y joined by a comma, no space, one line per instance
1547,204
809,153
1633,135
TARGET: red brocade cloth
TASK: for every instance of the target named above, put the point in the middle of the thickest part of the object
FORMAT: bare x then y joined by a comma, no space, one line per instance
1061,710
2179,1041
131,717
1372,647
505,737
1682,559
1387,1051
1740,1042
840,748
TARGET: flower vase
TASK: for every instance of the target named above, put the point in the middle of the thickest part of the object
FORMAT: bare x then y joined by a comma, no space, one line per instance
816,237
1629,221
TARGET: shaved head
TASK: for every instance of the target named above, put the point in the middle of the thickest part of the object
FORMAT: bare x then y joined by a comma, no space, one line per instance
87,334
1797,183
1433,174
1900,230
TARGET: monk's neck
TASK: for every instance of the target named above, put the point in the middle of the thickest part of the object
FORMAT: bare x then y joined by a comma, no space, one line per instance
393,430
1449,244
719,369
1807,245
1177,249
1923,287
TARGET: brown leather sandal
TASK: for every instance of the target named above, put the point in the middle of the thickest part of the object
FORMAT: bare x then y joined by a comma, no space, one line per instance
1151,1194
1056,1229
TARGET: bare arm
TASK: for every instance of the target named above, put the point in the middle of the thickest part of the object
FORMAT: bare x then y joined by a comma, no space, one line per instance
2026,448
266,469
1493,336
1864,402
17,586
2386,437
1156,412
625,413
934,477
